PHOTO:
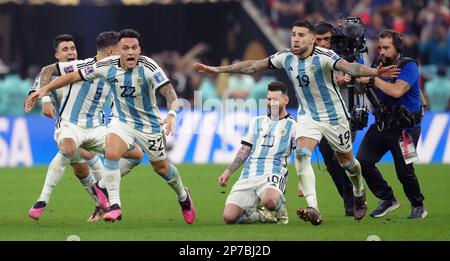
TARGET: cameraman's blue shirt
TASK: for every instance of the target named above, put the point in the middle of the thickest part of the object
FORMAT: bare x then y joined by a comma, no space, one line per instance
411,99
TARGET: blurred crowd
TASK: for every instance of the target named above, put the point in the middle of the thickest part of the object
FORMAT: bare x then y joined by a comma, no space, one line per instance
425,26
14,88
198,88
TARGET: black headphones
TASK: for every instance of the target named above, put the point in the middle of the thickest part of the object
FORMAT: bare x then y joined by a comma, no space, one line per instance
397,41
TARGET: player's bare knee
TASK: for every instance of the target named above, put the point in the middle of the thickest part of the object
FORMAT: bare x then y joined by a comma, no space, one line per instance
270,204
87,155
112,155
67,149
229,218
81,174
345,158
161,169
138,156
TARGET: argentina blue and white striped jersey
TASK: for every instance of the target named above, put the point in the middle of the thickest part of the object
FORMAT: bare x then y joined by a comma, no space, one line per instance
83,101
272,142
317,93
133,90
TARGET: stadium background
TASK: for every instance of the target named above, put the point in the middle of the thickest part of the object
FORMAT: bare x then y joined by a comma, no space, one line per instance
217,32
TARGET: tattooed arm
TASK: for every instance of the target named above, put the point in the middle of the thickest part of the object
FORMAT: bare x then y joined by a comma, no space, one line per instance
58,83
171,96
358,70
47,72
240,158
47,107
355,69
245,67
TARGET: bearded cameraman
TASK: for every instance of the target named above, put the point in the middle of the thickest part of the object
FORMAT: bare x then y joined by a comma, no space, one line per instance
398,112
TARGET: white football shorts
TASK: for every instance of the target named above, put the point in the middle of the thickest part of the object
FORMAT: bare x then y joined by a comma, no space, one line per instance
338,136
246,193
154,144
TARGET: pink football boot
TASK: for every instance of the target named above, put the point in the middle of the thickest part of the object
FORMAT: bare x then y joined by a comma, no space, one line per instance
188,209
36,211
114,213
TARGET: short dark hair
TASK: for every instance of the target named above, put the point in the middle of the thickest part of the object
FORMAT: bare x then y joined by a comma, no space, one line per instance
106,39
129,33
277,86
62,38
324,27
397,39
306,24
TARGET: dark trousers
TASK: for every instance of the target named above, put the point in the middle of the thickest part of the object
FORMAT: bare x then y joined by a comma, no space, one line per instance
373,147
337,173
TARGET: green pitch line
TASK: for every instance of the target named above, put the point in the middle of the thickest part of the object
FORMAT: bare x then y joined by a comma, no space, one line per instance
151,212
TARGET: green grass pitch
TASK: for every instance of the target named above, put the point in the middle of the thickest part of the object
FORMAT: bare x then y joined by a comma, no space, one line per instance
151,212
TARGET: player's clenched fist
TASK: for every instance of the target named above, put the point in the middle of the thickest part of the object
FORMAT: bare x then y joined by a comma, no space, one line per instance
223,179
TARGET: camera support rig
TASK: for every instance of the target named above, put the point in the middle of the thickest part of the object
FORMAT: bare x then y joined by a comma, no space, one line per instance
349,43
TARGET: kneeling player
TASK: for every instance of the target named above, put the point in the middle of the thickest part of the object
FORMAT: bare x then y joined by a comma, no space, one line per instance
265,149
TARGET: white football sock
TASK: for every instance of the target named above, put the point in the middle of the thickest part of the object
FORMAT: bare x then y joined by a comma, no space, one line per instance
353,170
280,203
96,167
87,183
111,181
306,175
174,180
54,173
126,165
248,217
